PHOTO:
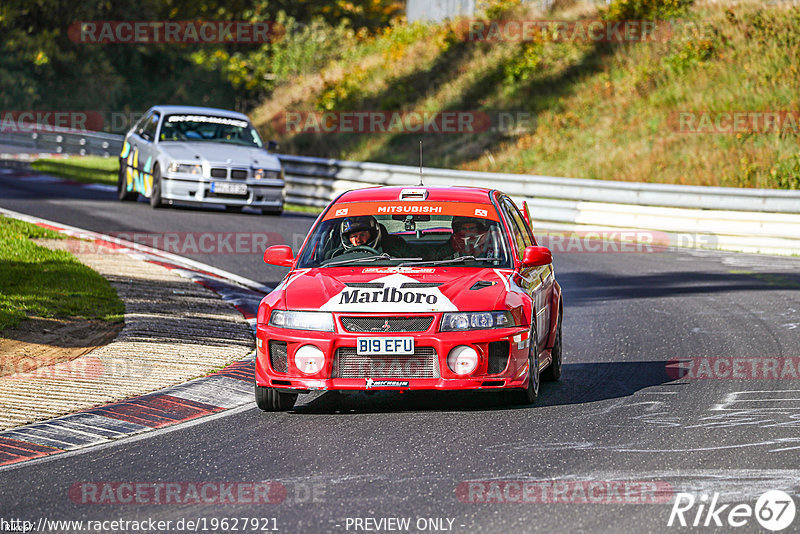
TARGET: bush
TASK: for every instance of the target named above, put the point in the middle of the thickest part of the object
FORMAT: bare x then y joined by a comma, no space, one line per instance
645,9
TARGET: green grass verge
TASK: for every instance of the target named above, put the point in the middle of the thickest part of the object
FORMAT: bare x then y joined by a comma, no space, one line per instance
87,169
36,281
303,209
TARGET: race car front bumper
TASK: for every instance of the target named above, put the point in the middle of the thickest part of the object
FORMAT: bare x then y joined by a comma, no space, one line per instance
265,193
503,361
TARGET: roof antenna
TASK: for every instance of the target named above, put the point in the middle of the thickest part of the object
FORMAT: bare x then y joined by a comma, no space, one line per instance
420,163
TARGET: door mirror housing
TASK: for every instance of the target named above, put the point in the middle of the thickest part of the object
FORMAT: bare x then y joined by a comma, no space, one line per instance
535,256
280,255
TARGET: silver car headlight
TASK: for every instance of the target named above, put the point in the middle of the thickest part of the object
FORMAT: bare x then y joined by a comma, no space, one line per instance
185,168
460,321
302,320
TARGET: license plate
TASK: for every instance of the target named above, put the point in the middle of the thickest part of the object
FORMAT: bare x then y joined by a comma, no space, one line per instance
385,345
229,189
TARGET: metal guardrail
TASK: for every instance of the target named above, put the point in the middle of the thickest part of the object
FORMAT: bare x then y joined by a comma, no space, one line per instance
751,220
62,141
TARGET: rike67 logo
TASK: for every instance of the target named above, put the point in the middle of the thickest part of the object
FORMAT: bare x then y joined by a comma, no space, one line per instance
774,510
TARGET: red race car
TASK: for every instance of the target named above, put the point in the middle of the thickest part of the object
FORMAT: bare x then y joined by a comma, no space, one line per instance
426,288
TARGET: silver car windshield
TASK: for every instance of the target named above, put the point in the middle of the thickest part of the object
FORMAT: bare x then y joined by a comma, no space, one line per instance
200,128
407,240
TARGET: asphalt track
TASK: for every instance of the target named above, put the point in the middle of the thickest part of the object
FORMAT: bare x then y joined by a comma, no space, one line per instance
616,417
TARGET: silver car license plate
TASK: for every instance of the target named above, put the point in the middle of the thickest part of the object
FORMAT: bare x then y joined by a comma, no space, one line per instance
384,345
229,189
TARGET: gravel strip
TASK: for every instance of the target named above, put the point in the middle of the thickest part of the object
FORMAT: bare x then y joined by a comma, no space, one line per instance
175,330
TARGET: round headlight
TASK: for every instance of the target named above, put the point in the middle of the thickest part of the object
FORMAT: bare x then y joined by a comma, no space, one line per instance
309,359
462,360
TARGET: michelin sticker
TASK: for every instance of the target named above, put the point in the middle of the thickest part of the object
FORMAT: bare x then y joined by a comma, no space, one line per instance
371,384
391,297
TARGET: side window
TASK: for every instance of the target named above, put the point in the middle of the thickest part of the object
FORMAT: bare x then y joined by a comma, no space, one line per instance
142,124
519,229
148,131
139,126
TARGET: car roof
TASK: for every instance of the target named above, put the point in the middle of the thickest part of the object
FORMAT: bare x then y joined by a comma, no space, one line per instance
441,194
200,111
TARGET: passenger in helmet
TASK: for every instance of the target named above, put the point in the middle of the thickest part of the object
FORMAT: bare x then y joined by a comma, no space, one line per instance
470,237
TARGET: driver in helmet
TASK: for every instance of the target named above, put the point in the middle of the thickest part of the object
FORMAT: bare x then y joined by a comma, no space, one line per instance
360,231
366,231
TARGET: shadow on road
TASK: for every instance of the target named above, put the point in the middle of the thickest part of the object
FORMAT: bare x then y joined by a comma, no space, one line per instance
580,383
586,289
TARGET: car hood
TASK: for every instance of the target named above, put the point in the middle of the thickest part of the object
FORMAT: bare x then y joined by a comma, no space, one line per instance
220,154
396,290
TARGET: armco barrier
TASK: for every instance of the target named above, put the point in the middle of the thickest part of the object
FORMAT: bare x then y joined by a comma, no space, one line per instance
61,141
749,220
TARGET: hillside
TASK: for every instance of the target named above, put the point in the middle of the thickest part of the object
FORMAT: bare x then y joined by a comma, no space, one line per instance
581,108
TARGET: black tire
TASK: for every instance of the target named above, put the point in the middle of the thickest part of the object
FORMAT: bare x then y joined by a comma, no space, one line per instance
553,371
122,185
155,194
272,400
531,393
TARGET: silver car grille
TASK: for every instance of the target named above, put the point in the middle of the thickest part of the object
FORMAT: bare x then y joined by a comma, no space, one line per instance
414,323
422,364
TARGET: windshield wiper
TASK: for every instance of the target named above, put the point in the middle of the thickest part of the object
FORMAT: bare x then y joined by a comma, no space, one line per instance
460,259
383,256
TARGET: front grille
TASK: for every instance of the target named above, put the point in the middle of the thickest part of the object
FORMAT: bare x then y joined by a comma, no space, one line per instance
498,356
211,194
422,364
413,323
239,174
277,356
219,173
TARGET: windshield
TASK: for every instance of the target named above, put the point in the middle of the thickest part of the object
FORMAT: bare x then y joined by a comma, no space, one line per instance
198,128
364,234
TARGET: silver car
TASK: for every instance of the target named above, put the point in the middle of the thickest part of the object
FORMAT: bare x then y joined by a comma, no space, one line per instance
199,155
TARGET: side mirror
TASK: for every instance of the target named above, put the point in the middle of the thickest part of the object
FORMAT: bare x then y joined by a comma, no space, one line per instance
534,256
272,146
279,255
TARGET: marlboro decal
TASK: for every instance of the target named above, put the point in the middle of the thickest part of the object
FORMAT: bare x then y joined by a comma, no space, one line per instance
391,297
